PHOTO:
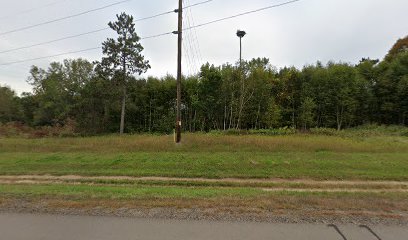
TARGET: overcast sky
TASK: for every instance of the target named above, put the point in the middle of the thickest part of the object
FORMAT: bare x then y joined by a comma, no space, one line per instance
292,35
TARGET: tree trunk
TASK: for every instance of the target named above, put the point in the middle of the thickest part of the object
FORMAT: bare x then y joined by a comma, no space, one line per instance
195,121
122,116
106,114
241,104
150,116
232,112
257,116
225,115
293,113
339,115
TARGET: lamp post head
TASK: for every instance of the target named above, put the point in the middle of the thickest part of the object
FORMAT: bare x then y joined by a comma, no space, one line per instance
241,34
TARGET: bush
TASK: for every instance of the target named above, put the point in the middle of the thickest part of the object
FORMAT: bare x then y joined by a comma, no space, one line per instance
17,129
266,132
325,131
274,131
371,130
379,130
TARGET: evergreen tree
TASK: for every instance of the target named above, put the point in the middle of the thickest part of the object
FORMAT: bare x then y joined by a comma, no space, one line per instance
123,56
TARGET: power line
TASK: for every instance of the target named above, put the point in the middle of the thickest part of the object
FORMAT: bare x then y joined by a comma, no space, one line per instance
196,38
56,55
95,31
186,57
196,43
78,51
196,4
163,34
53,41
187,46
33,9
63,18
241,14
157,35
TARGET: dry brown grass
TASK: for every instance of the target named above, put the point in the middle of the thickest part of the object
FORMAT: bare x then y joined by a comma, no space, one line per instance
272,185
205,142
259,207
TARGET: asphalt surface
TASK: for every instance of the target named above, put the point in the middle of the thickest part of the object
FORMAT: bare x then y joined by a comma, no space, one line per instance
50,227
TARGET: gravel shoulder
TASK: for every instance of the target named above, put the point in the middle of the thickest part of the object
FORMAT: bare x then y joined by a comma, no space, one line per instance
283,201
208,213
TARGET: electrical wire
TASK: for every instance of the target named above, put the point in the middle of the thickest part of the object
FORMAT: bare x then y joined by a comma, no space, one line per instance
197,4
78,51
196,43
45,57
241,14
32,9
189,52
63,18
95,31
163,34
53,41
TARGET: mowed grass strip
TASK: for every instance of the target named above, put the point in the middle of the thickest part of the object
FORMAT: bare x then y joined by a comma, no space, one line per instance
123,192
287,165
88,192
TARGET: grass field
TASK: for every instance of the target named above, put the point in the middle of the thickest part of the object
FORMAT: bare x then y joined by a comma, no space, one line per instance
207,156
294,172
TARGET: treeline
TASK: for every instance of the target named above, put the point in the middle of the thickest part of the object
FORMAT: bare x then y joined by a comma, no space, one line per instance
254,95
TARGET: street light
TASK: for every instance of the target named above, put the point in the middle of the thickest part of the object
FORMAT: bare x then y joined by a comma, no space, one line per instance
240,34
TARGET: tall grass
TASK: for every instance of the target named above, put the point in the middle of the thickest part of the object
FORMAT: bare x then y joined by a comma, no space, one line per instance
211,156
208,143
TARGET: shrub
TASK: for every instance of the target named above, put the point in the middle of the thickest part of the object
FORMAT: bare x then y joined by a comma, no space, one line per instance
266,132
17,129
371,130
325,131
378,130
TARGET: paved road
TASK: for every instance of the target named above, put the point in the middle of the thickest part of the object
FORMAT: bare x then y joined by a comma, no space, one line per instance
47,227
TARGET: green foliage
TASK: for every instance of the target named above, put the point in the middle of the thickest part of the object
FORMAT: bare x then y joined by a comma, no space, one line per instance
228,98
10,108
273,116
56,91
325,131
122,57
370,130
399,47
17,129
260,132
307,115
378,130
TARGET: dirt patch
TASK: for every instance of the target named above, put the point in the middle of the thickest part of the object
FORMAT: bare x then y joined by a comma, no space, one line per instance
234,180
334,190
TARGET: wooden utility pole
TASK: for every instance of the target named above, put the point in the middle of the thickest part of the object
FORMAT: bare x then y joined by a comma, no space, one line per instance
179,55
